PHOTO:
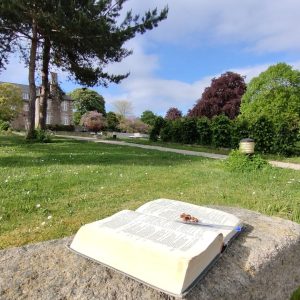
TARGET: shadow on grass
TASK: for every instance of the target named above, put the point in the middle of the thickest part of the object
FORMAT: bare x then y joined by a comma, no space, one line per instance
19,153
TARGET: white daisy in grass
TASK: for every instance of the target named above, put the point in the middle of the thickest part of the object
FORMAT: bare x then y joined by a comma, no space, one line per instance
49,217
38,205
43,223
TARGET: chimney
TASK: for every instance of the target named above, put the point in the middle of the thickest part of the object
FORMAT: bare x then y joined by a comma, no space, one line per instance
53,78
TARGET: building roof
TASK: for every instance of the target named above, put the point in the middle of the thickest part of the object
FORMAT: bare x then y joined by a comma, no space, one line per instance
25,89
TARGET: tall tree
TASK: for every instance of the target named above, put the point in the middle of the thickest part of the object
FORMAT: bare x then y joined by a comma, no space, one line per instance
223,96
84,36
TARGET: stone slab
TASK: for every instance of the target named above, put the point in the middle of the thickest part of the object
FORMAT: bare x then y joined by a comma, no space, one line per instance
262,263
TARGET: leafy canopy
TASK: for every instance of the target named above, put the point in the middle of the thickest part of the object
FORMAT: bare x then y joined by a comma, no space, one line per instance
148,117
274,94
87,100
10,101
223,96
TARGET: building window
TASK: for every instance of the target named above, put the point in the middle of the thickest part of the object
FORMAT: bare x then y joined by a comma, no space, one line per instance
25,96
26,107
49,104
66,120
65,106
48,119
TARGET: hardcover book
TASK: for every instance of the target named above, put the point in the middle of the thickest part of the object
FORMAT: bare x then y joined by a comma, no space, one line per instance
166,244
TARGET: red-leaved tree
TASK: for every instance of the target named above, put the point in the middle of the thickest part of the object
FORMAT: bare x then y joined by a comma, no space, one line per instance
223,96
173,113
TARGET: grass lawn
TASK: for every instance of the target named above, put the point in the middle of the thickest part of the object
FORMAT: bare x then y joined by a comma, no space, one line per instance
209,149
48,191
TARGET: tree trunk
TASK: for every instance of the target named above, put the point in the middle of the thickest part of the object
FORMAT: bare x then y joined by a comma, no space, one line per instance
31,79
45,85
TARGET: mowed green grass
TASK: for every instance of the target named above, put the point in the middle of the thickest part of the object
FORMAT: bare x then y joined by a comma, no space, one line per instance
295,158
48,191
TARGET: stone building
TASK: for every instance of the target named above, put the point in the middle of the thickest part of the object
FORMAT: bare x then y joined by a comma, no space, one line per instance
59,106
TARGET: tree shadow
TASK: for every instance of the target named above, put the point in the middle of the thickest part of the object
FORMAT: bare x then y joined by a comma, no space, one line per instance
71,152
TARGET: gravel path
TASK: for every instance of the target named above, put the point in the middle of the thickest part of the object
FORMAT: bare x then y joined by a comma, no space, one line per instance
274,163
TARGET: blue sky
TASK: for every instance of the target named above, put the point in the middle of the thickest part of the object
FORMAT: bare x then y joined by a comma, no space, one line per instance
200,39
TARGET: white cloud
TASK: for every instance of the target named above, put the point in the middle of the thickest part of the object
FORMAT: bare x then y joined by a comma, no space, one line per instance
159,94
263,25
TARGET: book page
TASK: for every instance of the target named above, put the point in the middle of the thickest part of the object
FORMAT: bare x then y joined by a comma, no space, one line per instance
160,231
219,221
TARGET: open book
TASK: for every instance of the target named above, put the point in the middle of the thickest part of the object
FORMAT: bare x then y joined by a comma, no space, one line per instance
153,245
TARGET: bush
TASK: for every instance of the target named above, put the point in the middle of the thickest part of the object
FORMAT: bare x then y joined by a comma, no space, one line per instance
239,162
204,131
42,136
155,132
239,131
262,131
286,136
4,125
189,131
166,133
221,131
59,127
177,131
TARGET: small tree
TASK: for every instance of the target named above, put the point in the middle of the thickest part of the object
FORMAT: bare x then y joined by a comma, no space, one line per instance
86,100
112,121
10,101
93,121
274,94
173,113
148,117
223,96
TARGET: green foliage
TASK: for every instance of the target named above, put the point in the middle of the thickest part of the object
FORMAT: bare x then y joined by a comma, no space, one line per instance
65,178
112,121
221,131
204,131
166,133
11,102
155,131
239,131
239,162
273,94
148,117
286,135
262,131
60,127
41,136
189,131
86,100
296,294
177,131
4,125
